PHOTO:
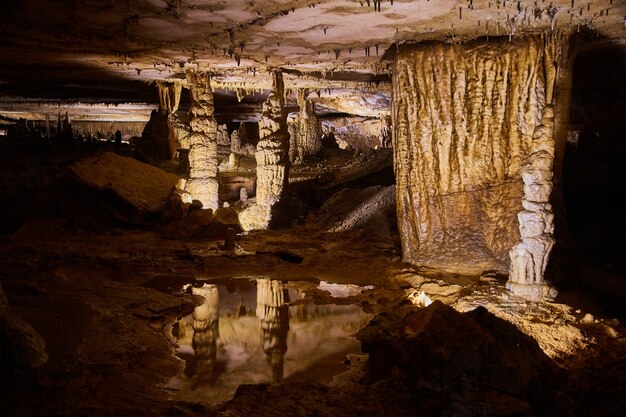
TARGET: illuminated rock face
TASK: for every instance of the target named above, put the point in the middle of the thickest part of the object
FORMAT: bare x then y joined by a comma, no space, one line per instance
202,184
307,131
536,222
464,119
272,159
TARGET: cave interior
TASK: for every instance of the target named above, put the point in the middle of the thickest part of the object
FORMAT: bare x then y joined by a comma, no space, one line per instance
312,208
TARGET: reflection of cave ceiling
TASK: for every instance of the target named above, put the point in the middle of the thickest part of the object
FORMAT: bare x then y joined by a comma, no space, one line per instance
113,45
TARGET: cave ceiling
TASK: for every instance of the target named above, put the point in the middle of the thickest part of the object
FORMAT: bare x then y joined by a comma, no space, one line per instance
116,48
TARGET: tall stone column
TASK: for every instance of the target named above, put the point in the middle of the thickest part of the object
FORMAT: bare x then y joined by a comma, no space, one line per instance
272,160
465,120
202,183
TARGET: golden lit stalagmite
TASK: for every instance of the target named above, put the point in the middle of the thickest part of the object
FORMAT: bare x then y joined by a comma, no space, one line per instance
202,183
272,158
464,118
530,256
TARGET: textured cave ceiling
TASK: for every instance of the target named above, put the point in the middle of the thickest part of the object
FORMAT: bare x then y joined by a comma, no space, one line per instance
112,48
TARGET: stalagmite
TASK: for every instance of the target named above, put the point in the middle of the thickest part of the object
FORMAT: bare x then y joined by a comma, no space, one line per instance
202,184
21,346
536,222
464,118
272,158
162,135
273,313
307,134
235,142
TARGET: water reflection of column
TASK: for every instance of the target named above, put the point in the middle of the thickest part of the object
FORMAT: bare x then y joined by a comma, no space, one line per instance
205,323
273,313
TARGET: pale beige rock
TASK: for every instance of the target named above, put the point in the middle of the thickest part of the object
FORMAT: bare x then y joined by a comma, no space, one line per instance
307,136
464,118
529,257
202,184
222,135
235,142
272,158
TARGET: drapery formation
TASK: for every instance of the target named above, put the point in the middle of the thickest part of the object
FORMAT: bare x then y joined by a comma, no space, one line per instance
464,118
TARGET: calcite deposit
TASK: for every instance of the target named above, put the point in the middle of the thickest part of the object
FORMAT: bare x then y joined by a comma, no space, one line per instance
202,183
272,158
306,138
529,257
464,118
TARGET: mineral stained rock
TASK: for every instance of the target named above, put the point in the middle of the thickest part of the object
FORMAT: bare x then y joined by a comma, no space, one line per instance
464,118
454,362
529,257
203,163
272,158
21,347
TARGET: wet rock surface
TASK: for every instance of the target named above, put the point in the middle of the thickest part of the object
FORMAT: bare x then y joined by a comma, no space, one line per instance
450,178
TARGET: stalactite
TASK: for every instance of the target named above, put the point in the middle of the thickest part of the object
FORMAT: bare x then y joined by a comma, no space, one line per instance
202,184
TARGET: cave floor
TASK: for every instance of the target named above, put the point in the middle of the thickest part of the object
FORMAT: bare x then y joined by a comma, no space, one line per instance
106,304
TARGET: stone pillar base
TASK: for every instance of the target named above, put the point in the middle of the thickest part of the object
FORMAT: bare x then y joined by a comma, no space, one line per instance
539,291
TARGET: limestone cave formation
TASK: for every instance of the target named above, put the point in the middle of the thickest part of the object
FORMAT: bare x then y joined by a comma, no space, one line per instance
312,207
